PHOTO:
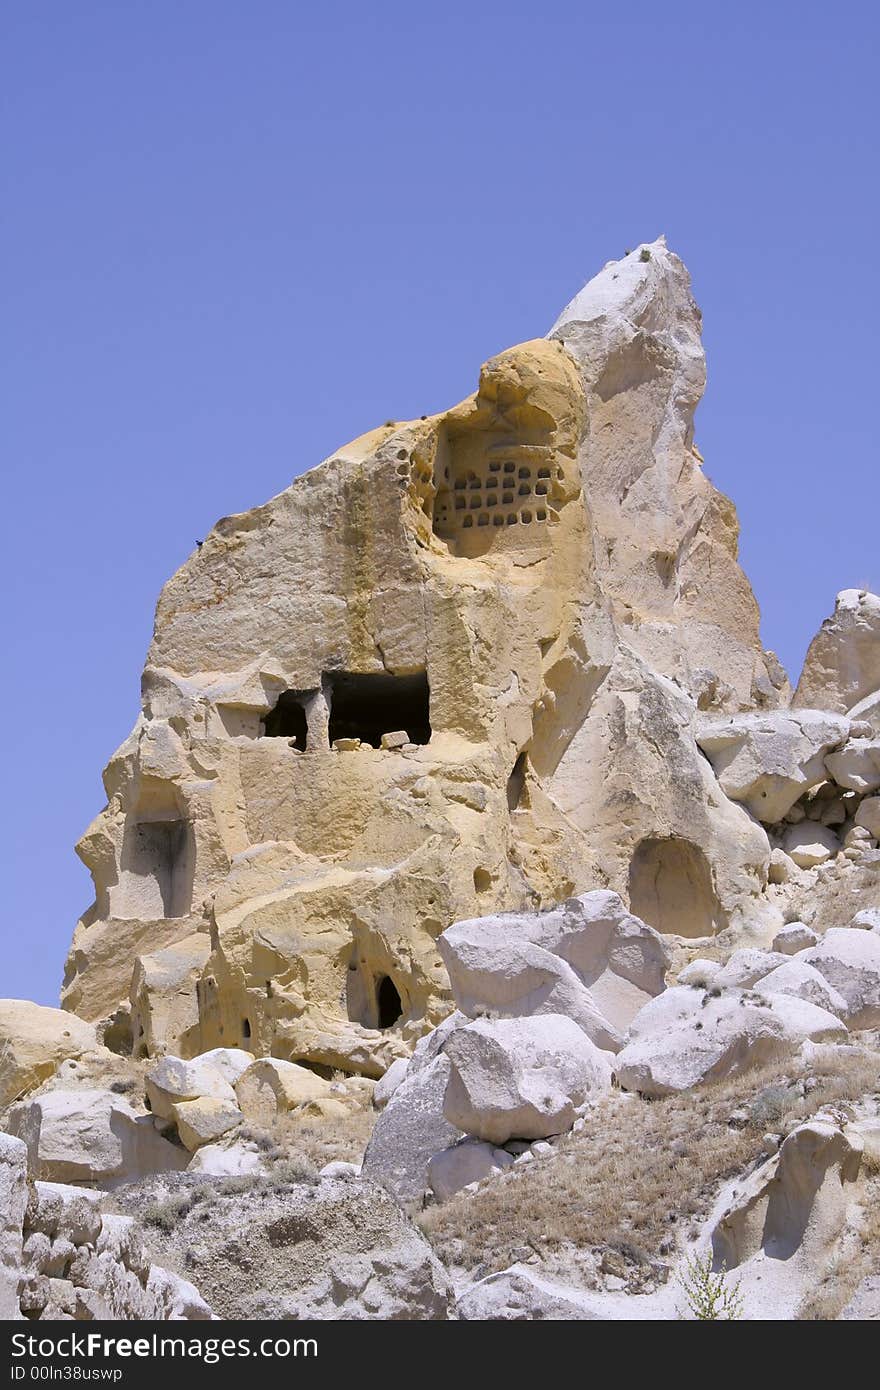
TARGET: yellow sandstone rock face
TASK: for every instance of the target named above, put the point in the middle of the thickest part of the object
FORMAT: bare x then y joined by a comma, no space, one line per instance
450,671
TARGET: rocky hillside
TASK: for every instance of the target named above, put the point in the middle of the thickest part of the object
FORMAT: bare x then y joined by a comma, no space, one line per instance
482,929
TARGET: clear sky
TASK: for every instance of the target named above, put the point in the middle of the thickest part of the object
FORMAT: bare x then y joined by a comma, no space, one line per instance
237,235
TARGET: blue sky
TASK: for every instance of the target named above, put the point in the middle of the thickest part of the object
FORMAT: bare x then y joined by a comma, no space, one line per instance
236,235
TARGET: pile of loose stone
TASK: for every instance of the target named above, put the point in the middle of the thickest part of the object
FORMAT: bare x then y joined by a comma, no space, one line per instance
62,1258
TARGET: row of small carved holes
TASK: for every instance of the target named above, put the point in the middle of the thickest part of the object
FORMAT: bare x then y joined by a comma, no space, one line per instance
461,484
510,519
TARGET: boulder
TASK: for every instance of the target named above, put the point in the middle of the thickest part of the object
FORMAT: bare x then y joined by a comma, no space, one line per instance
521,1078
57,1209
340,1169
170,1298
227,1159
211,1075
699,973
850,962
868,815
782,869
410,1130
724,1037
802,981
335,1250
856,767
667,1011
389,1083
866,713
794,937
519,1294
269,1087
746,967
204,1120
768,760
467,1162
589,960
34,1040
13,1201
842,666
91,1136
810,843
867,920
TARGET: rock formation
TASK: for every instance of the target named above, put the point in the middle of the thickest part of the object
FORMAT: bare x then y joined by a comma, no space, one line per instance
467,831
453,670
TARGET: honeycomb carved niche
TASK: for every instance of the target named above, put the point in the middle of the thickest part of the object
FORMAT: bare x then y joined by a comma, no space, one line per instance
504,468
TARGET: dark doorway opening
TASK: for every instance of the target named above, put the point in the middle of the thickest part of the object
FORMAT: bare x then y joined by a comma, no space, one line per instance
366,707
388,1002
288,718
516,783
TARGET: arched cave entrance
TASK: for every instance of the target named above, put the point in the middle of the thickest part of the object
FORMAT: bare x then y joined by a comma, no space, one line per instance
388,1003
670,888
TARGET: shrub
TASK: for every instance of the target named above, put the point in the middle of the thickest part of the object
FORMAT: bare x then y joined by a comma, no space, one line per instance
709,1296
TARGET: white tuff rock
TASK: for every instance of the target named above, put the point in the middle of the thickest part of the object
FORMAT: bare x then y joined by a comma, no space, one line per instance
589,959
522,1078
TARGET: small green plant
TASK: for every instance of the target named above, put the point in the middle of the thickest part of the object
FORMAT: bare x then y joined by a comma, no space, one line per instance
644,254
710,1298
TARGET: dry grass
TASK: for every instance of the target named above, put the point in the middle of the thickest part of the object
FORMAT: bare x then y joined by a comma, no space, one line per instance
638,1175
321,1140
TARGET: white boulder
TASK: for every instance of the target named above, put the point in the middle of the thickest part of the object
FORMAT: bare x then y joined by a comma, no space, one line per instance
856,767
91,1136
810,843
521,1078
802,981
699,973
467,1162
794,937
781,1228
13,1201
768,760
850,962
520,1294
212,1074
205,1120
388,1084
867,920
269,1086
589,959
724,1037
746,967
226,1159
868,816
34,1040
867,712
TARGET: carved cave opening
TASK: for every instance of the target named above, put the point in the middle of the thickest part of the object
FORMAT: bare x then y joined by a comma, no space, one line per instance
368,706
288,718
158,867
388,1003
516,783
671,888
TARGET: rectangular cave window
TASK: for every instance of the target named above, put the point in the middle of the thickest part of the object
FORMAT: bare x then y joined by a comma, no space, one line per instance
368,706
158,866
288,718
